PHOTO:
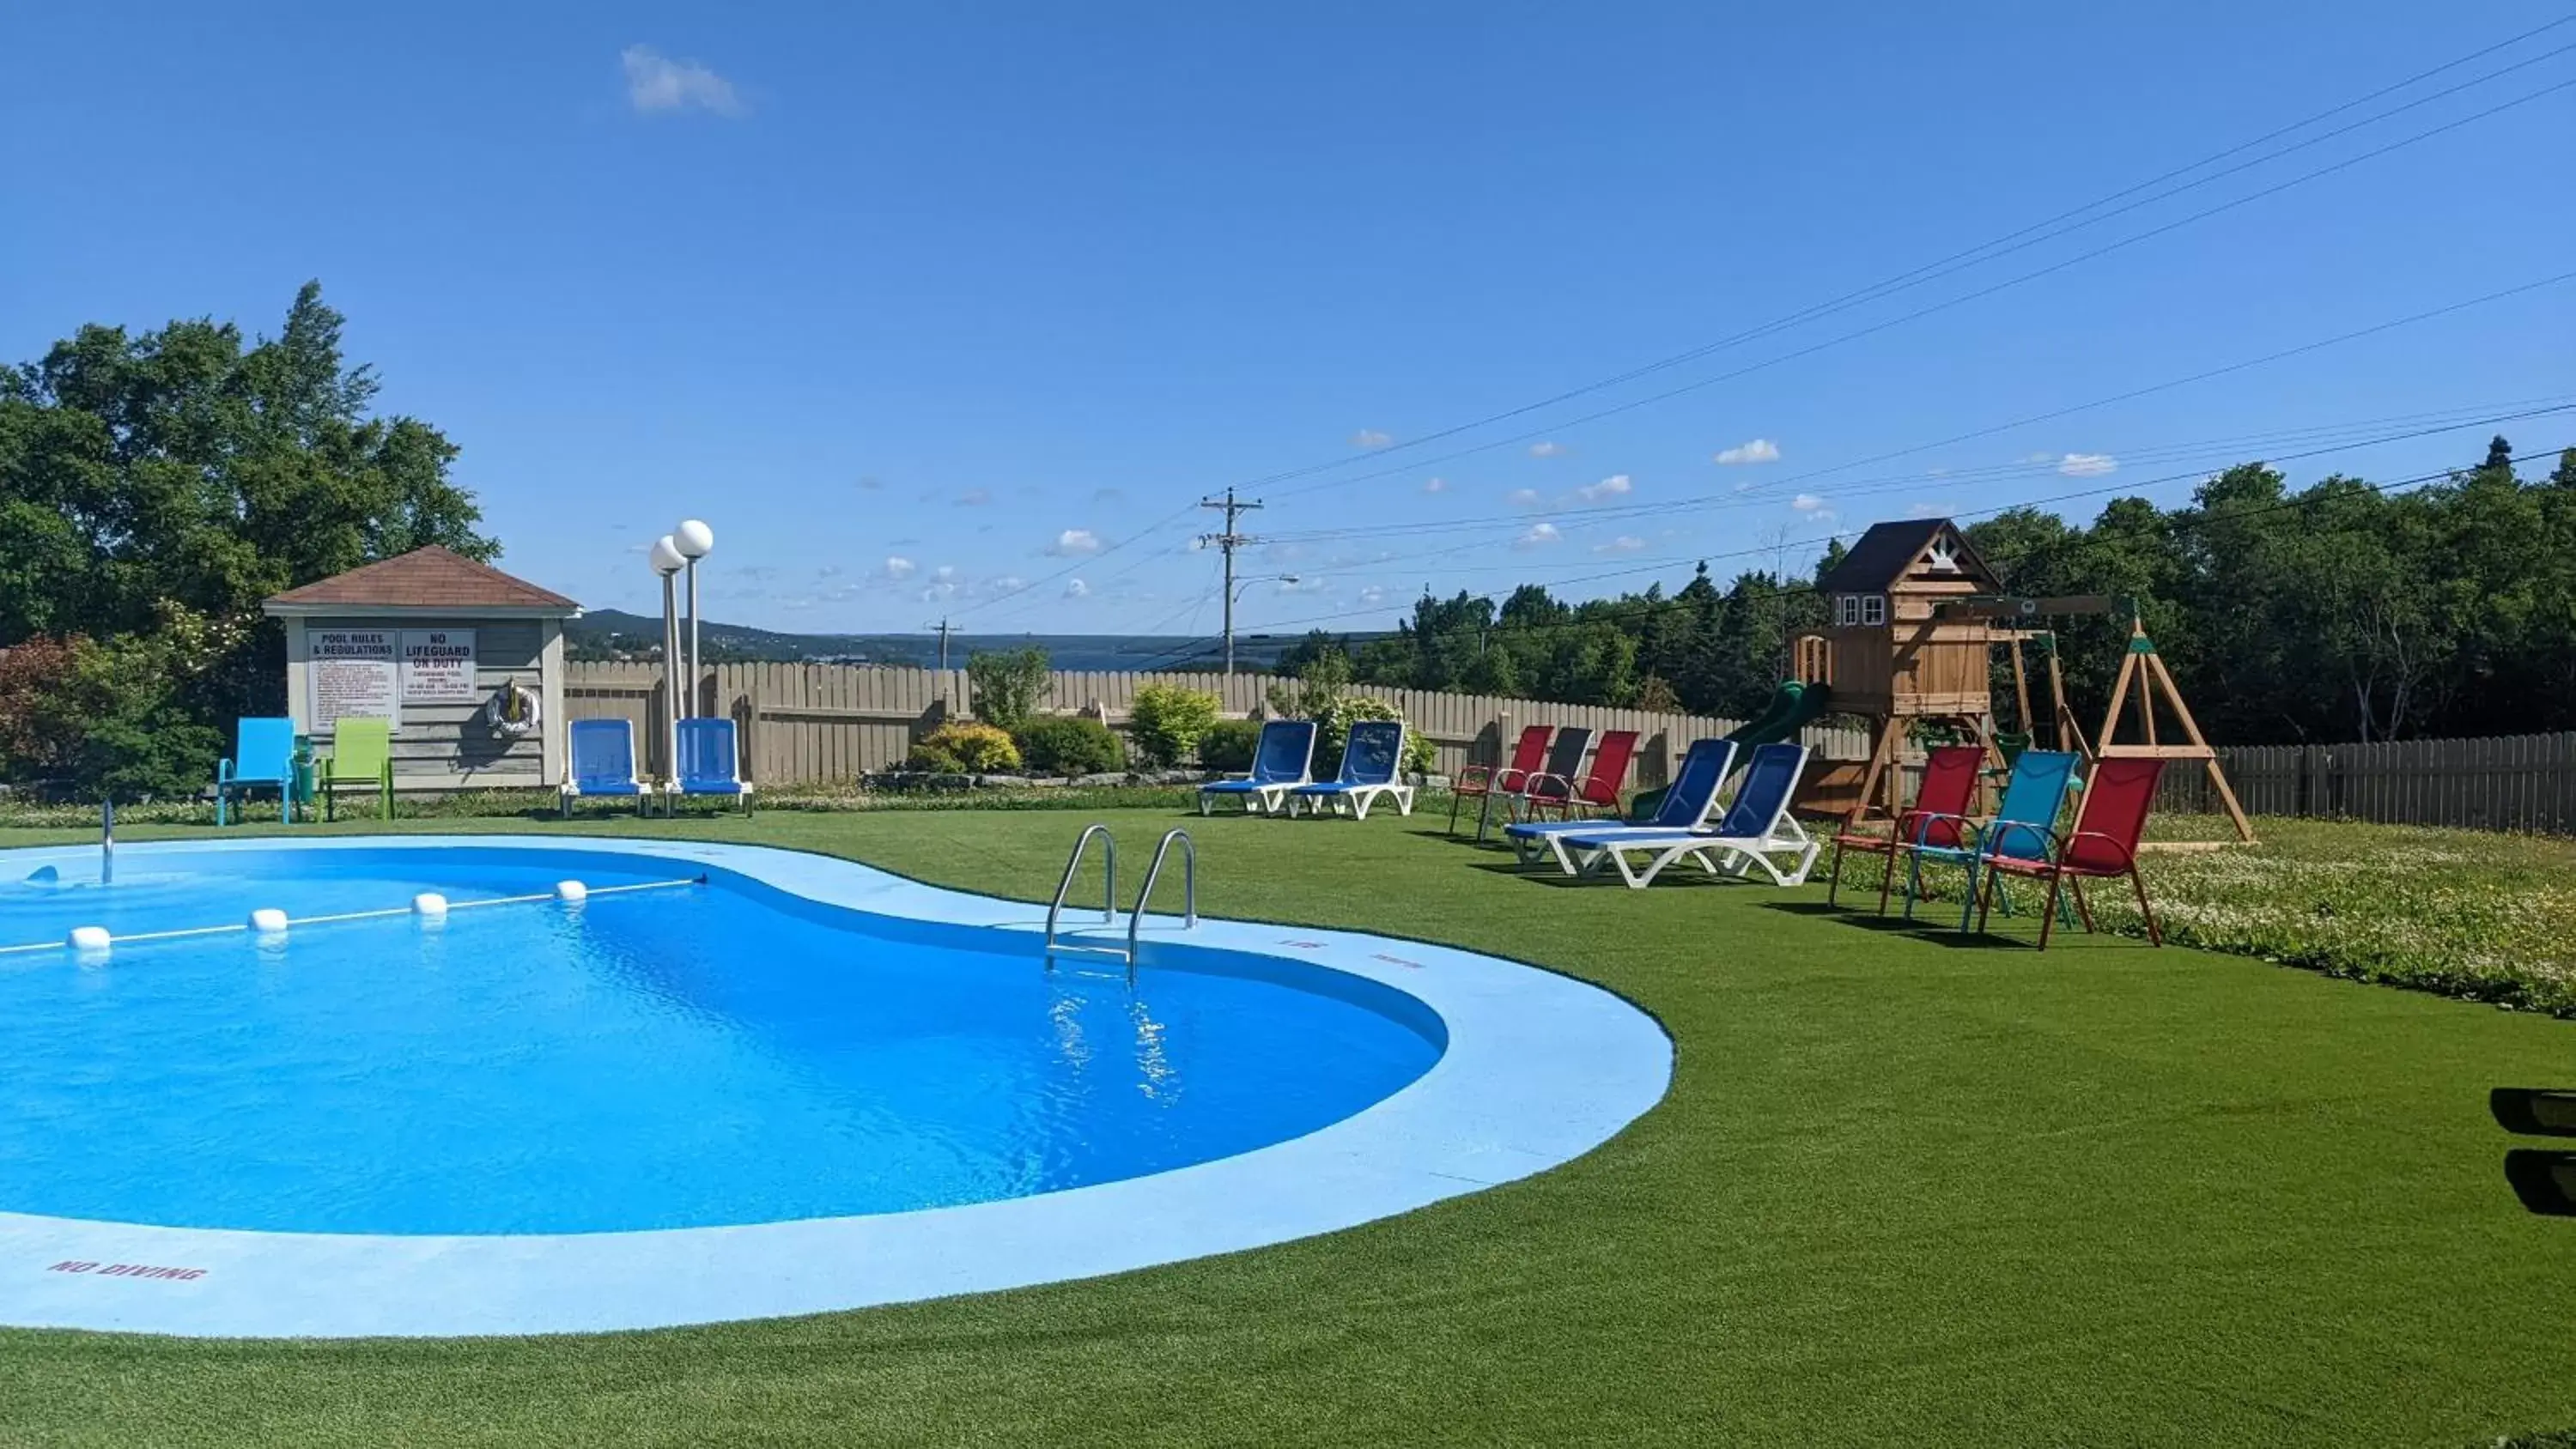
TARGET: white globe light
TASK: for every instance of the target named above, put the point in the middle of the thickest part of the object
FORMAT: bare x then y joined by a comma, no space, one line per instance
693,539
666,556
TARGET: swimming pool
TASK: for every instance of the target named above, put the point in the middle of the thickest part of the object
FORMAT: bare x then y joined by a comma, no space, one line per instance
728,1082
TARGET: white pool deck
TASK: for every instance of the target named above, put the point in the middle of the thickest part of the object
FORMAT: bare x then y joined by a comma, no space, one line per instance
1539,1069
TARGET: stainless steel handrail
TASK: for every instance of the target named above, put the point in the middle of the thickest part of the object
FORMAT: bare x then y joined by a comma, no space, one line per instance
1109,893
1145,897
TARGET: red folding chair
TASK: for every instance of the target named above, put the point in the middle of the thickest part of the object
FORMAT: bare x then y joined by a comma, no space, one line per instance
1943,802
2102,846
1599,788
1478,781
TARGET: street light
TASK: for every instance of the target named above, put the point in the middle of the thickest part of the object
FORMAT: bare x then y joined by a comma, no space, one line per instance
1236,592
666,560
693,541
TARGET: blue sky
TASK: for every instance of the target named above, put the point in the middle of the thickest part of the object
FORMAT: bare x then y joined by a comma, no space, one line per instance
949,310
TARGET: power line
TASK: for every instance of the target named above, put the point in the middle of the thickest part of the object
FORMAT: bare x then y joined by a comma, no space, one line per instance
2308,499
1627,512
1984,251
1944,305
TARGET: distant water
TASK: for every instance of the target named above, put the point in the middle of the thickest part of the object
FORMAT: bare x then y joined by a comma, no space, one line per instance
1073,651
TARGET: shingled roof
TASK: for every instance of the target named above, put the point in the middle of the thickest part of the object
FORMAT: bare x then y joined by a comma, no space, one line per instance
1887,550
423,579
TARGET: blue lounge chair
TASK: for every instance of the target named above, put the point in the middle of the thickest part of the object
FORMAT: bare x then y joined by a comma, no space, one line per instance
1372,765
263,758
1757,828
709,762
603,764
1279,764
1685,806
2024,827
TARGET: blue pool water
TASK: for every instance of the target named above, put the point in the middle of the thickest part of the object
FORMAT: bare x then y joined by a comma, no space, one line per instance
711,1054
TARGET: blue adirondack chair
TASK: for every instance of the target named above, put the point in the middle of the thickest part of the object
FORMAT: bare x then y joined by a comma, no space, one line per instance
263,758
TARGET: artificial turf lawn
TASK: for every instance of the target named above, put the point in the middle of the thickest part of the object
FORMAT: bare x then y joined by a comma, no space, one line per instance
1903,1191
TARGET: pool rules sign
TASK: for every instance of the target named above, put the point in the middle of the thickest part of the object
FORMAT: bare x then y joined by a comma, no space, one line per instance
438,666
353,674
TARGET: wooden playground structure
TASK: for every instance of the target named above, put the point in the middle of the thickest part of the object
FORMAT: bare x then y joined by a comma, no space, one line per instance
1915,618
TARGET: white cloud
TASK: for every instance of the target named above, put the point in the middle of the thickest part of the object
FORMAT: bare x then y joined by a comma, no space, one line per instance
1372,596
1759,450
1075,542
898,567
655,82
2087,465
974,498
1076,589
1371,438
1624,543
1007,583
1540,535
1808,503
1614,486
1524,498
1435,485
944,572
1549,450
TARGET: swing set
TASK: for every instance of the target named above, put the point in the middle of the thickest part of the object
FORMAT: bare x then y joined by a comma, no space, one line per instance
1915,617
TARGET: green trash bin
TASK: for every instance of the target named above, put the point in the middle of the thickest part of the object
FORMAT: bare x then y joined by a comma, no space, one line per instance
302,789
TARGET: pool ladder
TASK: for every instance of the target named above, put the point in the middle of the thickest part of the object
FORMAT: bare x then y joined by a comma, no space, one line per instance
1109,895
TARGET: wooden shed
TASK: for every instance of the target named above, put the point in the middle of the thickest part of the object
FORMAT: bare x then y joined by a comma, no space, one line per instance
452,651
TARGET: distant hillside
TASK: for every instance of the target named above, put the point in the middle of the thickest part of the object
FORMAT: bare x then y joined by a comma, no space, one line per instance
616,634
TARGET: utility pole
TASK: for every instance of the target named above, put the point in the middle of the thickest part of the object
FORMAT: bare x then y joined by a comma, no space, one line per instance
942,627
1229,541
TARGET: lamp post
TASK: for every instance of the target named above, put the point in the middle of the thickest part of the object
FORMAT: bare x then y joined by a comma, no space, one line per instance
1235,592
667,562
695,541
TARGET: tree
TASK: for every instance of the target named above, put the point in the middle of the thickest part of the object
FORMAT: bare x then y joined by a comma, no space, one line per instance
186,473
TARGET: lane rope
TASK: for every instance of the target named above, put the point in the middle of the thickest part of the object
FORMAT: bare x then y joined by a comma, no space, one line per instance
243,927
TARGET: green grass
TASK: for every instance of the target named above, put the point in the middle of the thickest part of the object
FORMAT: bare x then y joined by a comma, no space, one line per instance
1904,1191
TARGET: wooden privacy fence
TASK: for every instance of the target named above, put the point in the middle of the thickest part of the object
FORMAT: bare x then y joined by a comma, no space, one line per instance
2509,782
813,723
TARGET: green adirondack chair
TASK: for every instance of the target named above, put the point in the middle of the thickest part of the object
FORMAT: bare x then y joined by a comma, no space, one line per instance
362,755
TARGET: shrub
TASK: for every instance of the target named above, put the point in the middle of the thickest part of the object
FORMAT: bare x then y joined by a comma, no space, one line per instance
1229,744
1334,725
965,747
1168,721
1070,744
113,715
1007,685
